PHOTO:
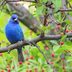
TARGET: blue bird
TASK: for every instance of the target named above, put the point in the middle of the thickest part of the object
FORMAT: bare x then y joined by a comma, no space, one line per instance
14,34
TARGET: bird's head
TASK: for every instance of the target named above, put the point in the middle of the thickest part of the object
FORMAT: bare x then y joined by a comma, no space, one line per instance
14,18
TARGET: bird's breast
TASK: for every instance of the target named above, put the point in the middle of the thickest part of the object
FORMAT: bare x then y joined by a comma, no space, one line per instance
13,34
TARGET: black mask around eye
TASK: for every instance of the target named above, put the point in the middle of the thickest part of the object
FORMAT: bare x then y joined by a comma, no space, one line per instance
15,17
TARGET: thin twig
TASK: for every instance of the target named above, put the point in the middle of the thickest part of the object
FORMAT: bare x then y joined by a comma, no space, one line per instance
64,10
23,0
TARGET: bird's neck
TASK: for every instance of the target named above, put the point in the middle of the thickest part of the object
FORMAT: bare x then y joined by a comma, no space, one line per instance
13,23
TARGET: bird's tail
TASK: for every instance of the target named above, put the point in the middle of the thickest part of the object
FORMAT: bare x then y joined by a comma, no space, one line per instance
20,54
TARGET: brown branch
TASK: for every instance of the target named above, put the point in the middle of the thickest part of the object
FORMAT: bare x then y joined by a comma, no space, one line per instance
35,40
45,18
22,0
25,16
64,10
2,2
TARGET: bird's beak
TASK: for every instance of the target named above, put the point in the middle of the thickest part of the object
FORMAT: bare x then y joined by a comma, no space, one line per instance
15,19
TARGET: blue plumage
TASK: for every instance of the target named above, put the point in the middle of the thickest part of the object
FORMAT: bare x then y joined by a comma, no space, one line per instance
14,34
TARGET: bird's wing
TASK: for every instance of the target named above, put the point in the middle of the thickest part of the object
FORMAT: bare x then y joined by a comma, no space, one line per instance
19,32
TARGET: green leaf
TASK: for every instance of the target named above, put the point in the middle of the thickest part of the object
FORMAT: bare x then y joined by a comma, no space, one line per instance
44,1
62,48
63,37
56,47
39,10
57,4
68,21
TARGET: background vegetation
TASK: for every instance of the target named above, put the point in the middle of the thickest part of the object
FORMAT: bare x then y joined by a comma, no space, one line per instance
50,18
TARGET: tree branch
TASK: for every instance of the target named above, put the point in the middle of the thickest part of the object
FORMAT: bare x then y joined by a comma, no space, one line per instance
25,16
64,10
35,40
22,0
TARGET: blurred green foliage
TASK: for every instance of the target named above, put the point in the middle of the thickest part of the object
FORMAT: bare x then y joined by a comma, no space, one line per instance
33,57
